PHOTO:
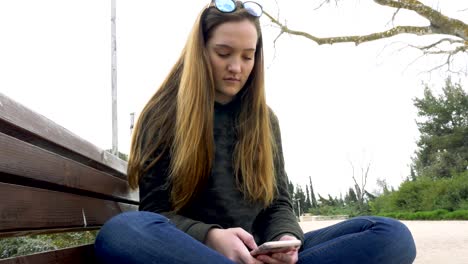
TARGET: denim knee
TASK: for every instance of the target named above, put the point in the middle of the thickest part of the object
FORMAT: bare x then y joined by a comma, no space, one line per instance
133,218
397,231
117,233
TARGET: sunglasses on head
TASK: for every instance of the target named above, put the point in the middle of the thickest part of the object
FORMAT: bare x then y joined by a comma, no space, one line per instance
229,6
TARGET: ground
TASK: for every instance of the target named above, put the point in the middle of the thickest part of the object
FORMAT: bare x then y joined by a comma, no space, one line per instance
437,242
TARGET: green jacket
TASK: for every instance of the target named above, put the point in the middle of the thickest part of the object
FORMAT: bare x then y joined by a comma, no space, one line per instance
220,204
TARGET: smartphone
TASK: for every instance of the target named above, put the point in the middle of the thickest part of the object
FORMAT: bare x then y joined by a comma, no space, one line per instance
275,246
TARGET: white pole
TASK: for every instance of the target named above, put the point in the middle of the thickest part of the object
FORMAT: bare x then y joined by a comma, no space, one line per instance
115,142
132,122
299,208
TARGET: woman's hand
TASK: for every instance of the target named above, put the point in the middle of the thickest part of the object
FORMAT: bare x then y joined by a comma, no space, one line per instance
234,243
288,257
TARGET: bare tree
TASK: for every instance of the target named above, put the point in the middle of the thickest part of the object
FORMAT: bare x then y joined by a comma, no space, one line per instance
453,32
361,187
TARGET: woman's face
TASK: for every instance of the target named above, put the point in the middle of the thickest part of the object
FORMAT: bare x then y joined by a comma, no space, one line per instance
231,50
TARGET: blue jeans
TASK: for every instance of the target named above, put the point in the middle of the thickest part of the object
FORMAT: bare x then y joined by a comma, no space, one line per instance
145,237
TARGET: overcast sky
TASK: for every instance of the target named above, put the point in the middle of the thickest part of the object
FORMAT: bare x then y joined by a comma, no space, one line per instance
336,104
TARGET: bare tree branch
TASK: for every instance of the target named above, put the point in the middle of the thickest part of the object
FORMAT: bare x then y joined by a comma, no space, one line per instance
453,47
276,2
414,61
449,58
325,2
394,16
352,167
439,24
365,176
356,185
279,35
322,4
433,49
356,39
451,41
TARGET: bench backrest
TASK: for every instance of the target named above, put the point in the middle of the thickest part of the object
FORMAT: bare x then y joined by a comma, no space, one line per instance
53,181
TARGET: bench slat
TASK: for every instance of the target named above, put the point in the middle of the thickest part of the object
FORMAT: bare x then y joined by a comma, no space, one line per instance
30,162
15,116
25,208
74,255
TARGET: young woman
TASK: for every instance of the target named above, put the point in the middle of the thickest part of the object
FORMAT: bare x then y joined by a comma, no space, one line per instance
206,155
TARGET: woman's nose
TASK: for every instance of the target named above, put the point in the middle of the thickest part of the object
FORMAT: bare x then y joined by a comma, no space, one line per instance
234,66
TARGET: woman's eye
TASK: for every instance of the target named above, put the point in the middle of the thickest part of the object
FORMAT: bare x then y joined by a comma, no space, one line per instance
248,58
223,55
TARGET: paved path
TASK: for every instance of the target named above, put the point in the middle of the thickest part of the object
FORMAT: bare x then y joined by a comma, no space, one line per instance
437,242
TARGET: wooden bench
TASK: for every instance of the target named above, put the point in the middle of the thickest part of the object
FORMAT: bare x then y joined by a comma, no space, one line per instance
53,181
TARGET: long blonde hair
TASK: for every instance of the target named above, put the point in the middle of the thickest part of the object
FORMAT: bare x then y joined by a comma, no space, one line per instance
178,120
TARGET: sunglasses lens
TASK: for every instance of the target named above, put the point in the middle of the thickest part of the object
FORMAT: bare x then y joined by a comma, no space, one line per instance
225,6
253,8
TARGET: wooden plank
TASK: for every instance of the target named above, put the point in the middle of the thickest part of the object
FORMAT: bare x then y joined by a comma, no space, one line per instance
74,255
30,162
26,208
14,114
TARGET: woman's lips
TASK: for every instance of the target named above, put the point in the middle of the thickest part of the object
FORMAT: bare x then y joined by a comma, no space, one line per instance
232,80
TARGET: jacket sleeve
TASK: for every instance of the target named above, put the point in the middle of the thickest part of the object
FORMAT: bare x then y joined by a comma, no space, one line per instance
278,219
155,197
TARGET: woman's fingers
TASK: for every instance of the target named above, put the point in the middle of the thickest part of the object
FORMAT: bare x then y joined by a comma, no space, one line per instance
280,258
246,238
233,243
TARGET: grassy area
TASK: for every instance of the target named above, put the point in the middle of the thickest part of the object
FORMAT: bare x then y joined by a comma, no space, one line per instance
429,215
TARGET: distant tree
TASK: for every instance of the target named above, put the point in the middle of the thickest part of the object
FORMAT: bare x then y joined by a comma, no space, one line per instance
291,189
382,184
350,197
412,174
341,201
308,203
332,201
370,196
313,200
300,200
322,201
443,126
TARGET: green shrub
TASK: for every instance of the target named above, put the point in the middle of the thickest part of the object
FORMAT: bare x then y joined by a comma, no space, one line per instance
429,215
19,246
71,239
384,203
457,215
425,194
